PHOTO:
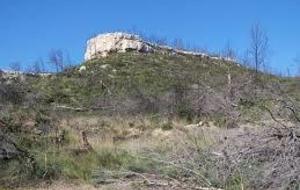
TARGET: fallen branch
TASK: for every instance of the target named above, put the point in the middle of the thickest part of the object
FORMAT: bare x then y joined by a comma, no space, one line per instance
294,112
154,182
180,167
274,118
83,108
71,108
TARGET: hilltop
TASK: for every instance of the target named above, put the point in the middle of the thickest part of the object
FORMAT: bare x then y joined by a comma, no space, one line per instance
104,44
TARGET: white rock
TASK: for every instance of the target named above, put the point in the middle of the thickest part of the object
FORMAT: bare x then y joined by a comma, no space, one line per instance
82,68
102,45
104,66
111,76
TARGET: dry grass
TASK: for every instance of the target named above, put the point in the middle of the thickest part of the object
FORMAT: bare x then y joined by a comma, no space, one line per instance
142,153
150,149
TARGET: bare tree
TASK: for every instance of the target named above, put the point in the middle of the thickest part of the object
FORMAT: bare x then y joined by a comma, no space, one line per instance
68,63
42,65
15,66
157,39
38,66
288,73
178,43
56,58
152,37
228,52
258,47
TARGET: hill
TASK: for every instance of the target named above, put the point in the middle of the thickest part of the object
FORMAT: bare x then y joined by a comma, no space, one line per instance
160,119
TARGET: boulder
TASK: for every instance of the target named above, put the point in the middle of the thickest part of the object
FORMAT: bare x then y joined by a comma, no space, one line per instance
104,44
82,68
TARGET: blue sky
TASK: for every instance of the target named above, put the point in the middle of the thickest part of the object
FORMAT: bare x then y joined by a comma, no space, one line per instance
29,29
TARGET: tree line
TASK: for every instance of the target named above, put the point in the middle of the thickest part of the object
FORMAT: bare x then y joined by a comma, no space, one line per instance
57,61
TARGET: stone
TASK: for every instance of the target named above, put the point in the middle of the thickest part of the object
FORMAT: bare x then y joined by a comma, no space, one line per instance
82,68
104,44
105,66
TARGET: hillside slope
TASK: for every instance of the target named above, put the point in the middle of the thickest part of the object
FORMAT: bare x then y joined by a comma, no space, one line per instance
156,120
185,85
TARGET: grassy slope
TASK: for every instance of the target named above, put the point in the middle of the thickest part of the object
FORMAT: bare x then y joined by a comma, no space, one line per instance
153,73
163,84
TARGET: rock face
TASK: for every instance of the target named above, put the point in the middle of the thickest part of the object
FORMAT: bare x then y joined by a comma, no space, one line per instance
102,45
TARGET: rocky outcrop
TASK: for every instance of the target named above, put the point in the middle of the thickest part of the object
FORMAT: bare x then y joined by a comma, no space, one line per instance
102,45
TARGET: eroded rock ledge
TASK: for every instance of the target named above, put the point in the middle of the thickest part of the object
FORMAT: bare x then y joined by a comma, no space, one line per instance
104,44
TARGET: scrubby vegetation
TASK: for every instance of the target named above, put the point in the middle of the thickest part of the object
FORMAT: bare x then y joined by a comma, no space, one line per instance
155,121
